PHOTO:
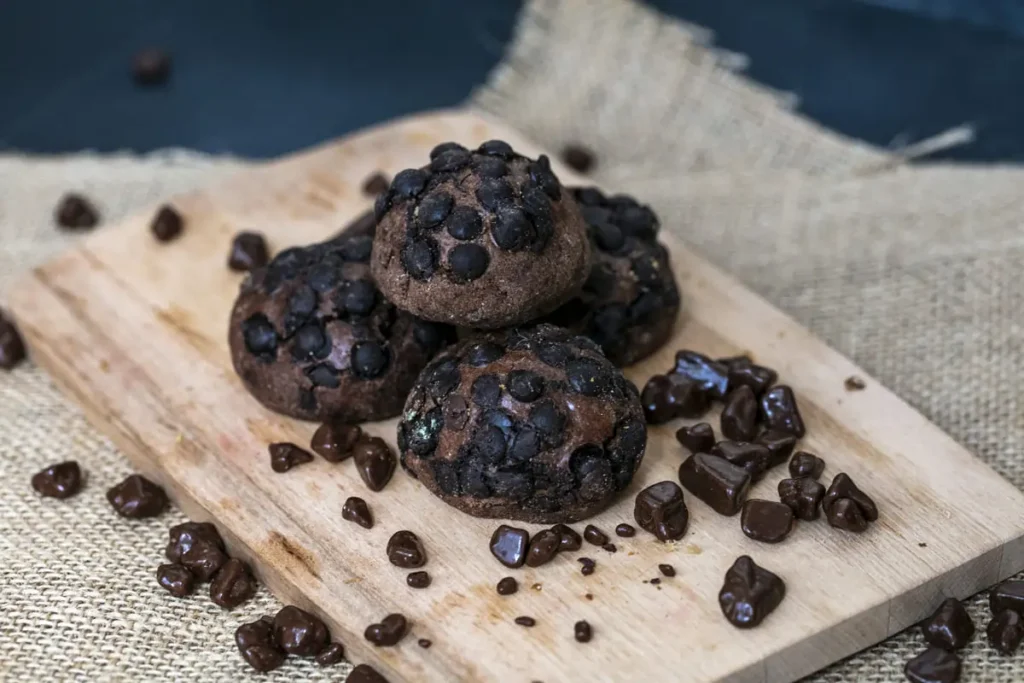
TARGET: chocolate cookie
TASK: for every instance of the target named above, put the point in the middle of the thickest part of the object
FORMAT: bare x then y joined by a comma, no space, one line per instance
312,337
482,239
533,424
630,301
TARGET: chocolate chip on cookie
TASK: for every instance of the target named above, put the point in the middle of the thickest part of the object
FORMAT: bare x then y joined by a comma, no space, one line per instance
532,424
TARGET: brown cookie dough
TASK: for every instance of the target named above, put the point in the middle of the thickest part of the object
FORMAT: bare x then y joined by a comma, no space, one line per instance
533,424
630,301
482,239
312,337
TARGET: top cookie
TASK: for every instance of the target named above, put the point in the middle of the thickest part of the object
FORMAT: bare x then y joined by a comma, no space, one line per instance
483,239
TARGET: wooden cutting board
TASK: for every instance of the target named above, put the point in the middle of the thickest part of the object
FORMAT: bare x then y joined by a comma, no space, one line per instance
135,332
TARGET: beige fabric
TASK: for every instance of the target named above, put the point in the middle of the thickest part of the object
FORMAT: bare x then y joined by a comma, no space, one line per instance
915,274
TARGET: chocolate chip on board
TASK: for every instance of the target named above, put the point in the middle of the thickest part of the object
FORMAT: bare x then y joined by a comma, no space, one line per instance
507,586
544,545
364,673
420,579
659,509
750,593
806,464
248,252
578,158
509,545
258,645
698,438
591,534
167,224
803,496
779,411
716,481
356,510
570,539
405,550
335,441
767,521
75,212
582,631
374,461
739,414
375,184
388,631
232,585
285,456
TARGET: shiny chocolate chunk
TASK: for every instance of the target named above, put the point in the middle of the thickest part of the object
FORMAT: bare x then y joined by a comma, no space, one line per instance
666,397
854,383
388,631
526,621
744,373
739,415
334,441
248,252
752,457
779,411
934,665
507,586
1005,631
803,496
625,530
62,480
300,633
137,497
846,506
710,375
583,632
420,579
591,534
667,570
659,509
184,536
331,655
258,645
509,545
1007,595
750,593
779,444
544,545
374,461
699,438
405,550
716,481
356,510
950,627
232,585
570,540
766,520
204,559
167,224
284,456
364,673
806,464
609,547
587,565
175,579
847,515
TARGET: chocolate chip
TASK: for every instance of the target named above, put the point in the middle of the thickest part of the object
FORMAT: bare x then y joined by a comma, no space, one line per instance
358,297
175,579
570,540
388,632
1005,631
698,438
588,376
526,621
450,161
803,496
743,373
779,411
483,353
739,415
779,445
666,397
418,579
578,158
440,149
167,224
512,229
334,441
284,456
750,593
300,633
766,520
356,510
846,506
660,510
588,565
375,183
609,547
949,627
233,585
409,183
204,558
151,66
716,481
248,252
259,648
625,530
1007,595
464,223
507,586
594,535
846,514
260,337
75,212
494,193
364,673
433,209
491,167
12,348
374,461
752,457
934,665
331,655
509,545
710,376
582,632
806,464
498,148
468,262
405,550
419,257
667,570
854,383
137,497
62,480
369,359
544,545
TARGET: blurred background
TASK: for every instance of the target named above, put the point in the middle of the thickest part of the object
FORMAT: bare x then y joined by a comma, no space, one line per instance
261,78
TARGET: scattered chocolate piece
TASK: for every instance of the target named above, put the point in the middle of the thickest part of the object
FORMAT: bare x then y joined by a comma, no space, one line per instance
803,496
300,633
766,520
699,438
1005,631
570,539
509,545
845,514
846,506
75,212
183,537
334,441
588,565
356,510
666,397
364,673
588,596
420,579
716,481
259,648
806,464
780,445
204,560
284,456
660,510
424,643
375,184
544,546
507,586
667,570
750,593
62,480
137,497
744,373
388,632
374,461
934,665
710,376
12,348
167,224
578,158
625,530
779,411
175,579
854,383
151,66
591,534
752,457
950,627
655,581
331,655
739,415
233,585
526,621
248,252
1007,595
610,547
583,632
405,550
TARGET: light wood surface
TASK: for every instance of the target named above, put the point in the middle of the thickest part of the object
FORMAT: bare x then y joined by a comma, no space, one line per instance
135,332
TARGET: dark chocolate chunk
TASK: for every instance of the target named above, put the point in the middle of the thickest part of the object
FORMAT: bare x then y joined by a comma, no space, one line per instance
248,252
464,223
450,161
233,585
846,506
667,570
507,586
388,632
420,579
949,627
752,457
806,464
666,397
358,297
845,514
425,643
716,481
578,158
184,536
300,633
137,497
509,545
625,530
610,547
331,655
175,579
526,621
660,510
284,456
1007,595
854,383
409,183
151,67
419,257
1005,631
12,347
934,665
376,183
544,545
494,192
204,558
570,540
468,262
369,360
698,438
356,510
258,645
750,593
75,212
588,565
709,375
743,373
364,673
803,496
334,441
62,480
779,444
167,224
405,550
374,461
766,520
591,534
739,415
582,632
779,411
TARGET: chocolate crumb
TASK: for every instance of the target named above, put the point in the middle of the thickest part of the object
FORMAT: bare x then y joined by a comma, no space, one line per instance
526,621
582,631
588,565
578,158
667,570
507,586
854,383
167,224
75,212
424,643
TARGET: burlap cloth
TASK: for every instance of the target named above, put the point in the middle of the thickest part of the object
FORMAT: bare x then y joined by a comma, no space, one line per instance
913,273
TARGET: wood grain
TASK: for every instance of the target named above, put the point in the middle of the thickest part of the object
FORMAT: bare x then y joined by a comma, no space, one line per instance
135,332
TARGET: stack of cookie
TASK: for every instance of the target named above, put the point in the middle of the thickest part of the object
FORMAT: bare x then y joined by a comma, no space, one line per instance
549,289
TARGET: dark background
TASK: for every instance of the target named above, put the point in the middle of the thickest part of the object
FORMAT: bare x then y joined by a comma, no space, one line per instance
260,78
